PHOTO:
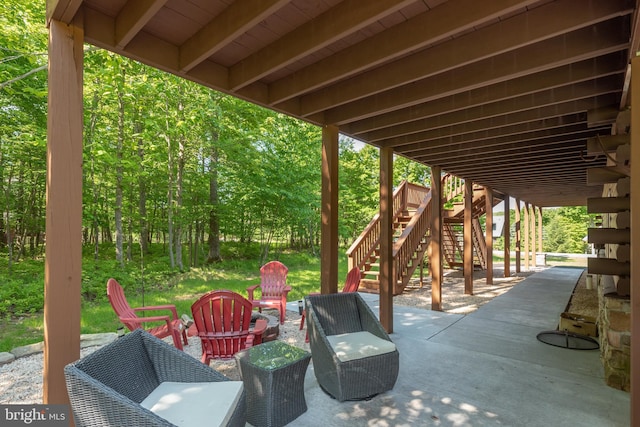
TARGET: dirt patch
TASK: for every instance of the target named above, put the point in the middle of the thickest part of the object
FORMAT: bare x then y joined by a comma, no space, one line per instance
453,298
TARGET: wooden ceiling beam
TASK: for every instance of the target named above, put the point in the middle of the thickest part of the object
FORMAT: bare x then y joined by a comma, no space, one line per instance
454,124
540,177
561,196
513,166
100,31
62,10
520,161
530,40
550,125
133,16
545,179
522,91
606,143
581,44
536,137
625,101
447,125
346,18
603,115
513,161
233,21
430,27
519,133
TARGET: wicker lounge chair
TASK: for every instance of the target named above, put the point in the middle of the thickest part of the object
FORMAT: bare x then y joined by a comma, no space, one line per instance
116,384
353,356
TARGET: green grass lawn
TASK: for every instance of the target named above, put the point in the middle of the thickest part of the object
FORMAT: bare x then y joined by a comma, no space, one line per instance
152,285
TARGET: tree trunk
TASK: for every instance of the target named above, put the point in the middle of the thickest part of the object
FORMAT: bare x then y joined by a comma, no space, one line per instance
172,261
142,195
3,228
118,204
179,191
179,188
214,220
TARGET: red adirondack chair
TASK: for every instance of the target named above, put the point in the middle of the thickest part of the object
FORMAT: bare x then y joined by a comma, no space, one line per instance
223,321
127,315
273,287
351,284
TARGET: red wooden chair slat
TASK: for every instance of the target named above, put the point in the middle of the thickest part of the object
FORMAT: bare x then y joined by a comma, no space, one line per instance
129,316
351,284
273,288
223,321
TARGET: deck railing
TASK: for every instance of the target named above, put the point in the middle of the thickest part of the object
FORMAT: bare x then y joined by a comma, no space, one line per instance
406,195
412,236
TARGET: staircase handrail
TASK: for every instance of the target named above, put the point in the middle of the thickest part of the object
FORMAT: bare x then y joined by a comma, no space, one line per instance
362,248
452,186
479,242
415,194
405,246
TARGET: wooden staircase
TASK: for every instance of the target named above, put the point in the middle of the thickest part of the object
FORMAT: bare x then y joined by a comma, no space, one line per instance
411,220
453,231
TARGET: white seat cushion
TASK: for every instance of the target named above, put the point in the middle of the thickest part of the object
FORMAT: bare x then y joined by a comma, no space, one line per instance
357,345
195,404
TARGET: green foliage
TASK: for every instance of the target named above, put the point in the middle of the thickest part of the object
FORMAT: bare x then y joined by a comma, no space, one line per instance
21,291
146,281
565,228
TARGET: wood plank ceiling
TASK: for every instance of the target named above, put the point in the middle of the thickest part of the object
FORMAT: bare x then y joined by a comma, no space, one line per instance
502,92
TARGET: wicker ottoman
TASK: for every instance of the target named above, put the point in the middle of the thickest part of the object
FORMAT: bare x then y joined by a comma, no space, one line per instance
273,375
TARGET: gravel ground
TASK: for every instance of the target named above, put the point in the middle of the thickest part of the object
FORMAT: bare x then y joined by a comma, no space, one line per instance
21,380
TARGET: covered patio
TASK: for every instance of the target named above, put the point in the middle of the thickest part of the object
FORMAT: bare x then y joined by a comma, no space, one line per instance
526,98
485,368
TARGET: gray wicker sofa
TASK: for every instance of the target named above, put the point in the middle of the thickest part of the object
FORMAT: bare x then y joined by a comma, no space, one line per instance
109,386
373,366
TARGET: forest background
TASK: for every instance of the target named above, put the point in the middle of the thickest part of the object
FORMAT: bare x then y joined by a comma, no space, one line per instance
177,178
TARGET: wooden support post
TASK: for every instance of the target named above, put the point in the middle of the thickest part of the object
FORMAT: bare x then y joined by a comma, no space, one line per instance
489,233
525,210
532,230
467,250
507,238
435,244
63,253
387,274
329,211
635,245
540,228
518,236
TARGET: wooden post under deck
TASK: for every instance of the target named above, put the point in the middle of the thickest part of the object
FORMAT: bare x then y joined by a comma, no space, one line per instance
507,238
489,233
467,249
635,238
532,230
518,225
329,211
435,243
387,276
540,228
525,210
63,252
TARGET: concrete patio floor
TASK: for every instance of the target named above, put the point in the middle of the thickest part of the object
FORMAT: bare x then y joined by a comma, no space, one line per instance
484,368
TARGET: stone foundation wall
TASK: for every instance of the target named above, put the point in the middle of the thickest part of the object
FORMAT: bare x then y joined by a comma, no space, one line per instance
615,339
